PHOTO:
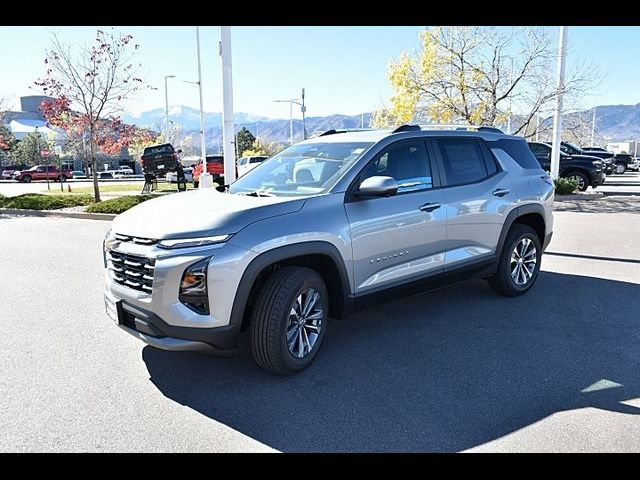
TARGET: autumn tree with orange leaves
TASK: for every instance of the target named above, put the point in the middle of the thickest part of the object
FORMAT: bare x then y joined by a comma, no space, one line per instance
89,86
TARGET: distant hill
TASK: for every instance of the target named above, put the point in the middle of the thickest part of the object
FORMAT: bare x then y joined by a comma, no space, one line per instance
615,122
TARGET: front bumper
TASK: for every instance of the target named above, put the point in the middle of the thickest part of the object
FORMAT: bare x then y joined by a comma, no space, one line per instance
151,329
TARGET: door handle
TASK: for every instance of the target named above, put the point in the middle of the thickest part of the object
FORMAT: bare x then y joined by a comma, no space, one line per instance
429,207
501,192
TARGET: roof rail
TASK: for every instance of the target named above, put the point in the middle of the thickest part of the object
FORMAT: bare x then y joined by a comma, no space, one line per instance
414,128
344,130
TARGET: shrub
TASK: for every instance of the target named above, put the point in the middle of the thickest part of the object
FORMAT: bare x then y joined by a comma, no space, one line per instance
118,205
38,201
564,186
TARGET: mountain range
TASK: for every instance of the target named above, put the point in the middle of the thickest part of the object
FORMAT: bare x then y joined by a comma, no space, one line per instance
613,122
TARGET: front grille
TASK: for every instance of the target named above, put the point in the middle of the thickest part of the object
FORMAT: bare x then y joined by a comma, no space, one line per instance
138,240
131,271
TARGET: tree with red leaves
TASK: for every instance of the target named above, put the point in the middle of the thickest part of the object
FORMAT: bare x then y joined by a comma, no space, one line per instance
89,85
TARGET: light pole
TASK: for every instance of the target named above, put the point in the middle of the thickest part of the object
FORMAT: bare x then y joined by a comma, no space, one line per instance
291,101
593,127
203,145
166,107
557,116
228,129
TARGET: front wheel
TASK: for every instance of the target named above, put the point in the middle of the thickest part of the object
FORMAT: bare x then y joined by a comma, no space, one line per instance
621,168
519,262
289,320
581,179
62,178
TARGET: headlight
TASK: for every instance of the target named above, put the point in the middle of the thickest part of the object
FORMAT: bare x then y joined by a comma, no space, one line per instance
107,245
193,287
192,242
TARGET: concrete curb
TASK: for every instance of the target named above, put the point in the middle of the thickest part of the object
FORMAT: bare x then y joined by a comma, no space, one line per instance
578,196
56,213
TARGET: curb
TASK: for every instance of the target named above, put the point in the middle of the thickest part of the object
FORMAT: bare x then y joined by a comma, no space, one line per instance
56,213
578,196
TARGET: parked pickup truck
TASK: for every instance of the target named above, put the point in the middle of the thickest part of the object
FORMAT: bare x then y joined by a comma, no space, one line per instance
215,166
158,160
42,172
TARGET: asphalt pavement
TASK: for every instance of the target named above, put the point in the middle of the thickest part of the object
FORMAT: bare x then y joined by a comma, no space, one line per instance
454,370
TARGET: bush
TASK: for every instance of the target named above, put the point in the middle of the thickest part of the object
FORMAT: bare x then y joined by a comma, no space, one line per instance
564,186
118,205
38,201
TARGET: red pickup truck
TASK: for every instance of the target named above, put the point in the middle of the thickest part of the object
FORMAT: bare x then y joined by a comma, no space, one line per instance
42,172
215,166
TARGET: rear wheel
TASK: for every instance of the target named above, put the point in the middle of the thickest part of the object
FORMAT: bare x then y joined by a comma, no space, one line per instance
26,179
621,167
581,179
519,262
289,320
62,178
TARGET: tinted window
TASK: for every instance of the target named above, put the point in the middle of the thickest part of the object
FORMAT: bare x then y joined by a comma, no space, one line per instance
463,161
407,162
524,154
538,149
256,159
216,159
158,150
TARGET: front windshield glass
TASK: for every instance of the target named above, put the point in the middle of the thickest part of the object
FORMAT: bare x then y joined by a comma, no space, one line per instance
303,169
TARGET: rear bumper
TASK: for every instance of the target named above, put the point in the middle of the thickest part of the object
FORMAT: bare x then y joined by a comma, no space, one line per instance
151,329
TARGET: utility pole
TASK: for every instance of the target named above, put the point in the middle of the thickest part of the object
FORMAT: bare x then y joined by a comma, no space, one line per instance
537,127
593,127
557,116
166,107
227,106
203,144
303,109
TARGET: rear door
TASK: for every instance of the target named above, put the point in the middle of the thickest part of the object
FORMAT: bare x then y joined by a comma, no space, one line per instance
399,238
476,198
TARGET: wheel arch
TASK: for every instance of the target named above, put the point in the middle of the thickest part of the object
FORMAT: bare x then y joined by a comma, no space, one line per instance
320,256
531,214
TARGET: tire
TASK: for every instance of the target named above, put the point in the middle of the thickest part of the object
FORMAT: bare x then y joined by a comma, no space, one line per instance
195,184
620,168
62,178
503,281
26,179
581,178
273,325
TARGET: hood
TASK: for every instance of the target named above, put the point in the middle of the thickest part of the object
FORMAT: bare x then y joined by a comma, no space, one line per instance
200,213
587,157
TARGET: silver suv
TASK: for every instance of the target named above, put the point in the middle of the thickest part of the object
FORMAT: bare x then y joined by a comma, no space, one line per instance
323,228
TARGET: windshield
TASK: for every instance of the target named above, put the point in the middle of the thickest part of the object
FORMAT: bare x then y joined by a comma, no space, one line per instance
570,148
303,169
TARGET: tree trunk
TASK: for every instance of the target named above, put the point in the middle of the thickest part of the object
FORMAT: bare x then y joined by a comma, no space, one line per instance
94,167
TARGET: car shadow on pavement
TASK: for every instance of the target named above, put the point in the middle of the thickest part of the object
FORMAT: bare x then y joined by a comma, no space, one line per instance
442,371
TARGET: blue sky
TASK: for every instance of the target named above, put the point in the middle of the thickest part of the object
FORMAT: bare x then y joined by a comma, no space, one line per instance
343,69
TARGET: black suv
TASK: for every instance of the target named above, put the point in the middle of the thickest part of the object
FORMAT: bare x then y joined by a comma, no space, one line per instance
158,160
603,154
620,162
584,169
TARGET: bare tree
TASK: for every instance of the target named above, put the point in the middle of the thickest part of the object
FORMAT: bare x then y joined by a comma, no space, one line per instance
91,83
481,76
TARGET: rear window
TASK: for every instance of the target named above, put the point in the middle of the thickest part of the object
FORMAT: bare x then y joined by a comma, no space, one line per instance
519,151
158,150
214,159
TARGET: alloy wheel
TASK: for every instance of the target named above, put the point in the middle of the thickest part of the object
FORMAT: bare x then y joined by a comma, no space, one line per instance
305,322
523,261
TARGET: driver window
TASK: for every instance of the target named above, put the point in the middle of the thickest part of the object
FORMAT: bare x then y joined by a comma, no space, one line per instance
407,163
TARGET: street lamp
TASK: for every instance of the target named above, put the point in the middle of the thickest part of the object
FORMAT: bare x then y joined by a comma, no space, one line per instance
166,107
203,148
291,101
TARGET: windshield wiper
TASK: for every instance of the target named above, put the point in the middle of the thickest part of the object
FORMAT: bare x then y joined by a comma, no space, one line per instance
258,194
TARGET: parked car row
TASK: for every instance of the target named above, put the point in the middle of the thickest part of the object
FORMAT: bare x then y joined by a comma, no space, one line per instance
586,170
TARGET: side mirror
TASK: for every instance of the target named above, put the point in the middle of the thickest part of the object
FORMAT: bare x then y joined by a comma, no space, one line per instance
378,187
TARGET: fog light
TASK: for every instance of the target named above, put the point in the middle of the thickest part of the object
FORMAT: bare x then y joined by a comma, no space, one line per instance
193,287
